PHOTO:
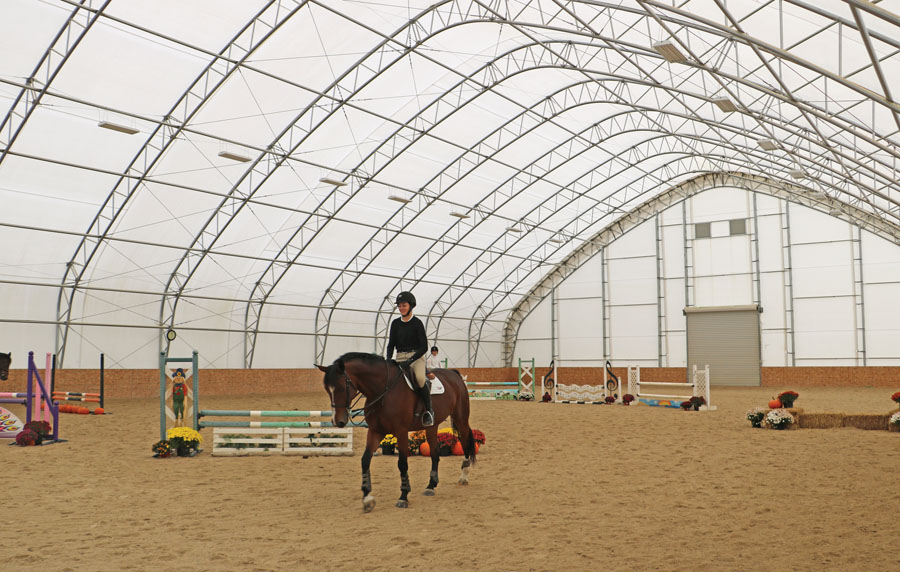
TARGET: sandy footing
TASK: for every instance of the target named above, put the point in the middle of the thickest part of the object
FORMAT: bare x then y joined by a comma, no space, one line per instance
556,487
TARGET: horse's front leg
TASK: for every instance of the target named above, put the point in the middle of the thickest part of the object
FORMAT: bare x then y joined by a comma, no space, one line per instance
372,441
431,436
403,465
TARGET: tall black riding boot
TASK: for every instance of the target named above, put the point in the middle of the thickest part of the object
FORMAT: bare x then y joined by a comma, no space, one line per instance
428,414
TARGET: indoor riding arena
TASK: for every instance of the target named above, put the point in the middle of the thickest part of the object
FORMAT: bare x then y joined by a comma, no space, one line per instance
638,261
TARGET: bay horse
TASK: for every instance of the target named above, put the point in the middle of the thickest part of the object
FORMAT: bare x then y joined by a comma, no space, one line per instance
393,408
5,360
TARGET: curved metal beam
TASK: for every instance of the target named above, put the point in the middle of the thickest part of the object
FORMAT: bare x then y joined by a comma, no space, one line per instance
265,23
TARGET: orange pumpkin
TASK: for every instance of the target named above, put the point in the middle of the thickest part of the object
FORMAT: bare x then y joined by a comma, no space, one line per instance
99,411
457,448
774,404
425,449
84,410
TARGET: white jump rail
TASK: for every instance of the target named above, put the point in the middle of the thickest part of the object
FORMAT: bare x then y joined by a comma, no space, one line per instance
303,441
699,386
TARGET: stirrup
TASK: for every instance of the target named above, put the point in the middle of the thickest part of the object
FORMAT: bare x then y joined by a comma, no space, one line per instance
427,418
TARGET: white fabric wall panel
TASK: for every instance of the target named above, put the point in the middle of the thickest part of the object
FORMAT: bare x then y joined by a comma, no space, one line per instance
727,255
634,334
280,351
824,331
636,242
808,225
881,259
537,349
882,324
676,349
585,282
773,302
632,281
673,250
723,291
537,324
673,304
769,241
721,204
37,338
581,329
822,269
774,348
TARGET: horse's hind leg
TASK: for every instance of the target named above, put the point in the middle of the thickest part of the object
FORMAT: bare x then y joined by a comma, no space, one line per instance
431,435
372,441
468,443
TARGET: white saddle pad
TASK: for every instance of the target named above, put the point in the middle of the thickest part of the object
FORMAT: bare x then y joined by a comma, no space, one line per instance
437,387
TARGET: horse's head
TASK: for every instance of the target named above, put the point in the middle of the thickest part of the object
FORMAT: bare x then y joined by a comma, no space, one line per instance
341,391
5,360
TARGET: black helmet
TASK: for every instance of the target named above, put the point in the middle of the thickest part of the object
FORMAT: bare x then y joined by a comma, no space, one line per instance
434,348
406,297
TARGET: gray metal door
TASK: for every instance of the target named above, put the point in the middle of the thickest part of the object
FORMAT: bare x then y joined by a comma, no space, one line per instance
726,338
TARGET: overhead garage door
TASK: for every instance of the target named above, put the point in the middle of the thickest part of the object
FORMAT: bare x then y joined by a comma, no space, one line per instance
726,338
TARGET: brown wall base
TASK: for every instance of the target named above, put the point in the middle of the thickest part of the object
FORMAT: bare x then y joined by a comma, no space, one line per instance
145,382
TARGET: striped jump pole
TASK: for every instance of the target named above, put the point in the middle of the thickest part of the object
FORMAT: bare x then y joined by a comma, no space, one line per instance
260,413
78,396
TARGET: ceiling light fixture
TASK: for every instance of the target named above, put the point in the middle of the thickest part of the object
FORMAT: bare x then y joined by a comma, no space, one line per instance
459,215
835,211
403,200
330,181
513,229
669,51
767,144
555,240
725,104
233,156
120,128
797,174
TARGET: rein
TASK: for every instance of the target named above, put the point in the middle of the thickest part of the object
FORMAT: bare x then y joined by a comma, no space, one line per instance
369,402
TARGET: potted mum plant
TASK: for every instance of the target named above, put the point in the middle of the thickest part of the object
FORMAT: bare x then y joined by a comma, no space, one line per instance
697,401
756,415
787,398
687,405
609,399
27,438
779,419
162,449
184,441
895,420
388,445
896,398
627,399
446,442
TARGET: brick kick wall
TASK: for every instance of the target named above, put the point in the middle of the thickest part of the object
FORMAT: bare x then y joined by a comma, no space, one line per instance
145,382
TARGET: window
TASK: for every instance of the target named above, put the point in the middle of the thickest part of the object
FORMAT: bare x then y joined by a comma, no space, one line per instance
701,230
737,226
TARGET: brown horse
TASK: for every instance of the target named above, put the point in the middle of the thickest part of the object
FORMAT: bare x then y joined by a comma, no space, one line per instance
393,408
5,360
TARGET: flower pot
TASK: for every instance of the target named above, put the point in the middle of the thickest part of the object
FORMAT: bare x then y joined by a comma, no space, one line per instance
696,407
387,449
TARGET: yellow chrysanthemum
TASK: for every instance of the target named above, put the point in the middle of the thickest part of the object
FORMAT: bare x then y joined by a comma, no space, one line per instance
184,433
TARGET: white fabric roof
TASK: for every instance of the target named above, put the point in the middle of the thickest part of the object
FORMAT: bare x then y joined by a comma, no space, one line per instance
553,118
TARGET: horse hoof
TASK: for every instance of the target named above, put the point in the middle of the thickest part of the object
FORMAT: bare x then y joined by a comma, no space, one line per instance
428,492
464,481
402,504
368,504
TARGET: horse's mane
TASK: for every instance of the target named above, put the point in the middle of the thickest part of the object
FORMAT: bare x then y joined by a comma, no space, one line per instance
369,359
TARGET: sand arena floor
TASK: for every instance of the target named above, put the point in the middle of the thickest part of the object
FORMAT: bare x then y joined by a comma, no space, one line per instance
557,487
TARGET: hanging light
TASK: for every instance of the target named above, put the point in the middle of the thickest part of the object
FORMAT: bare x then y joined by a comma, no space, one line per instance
120,128
797,174
233,156
767,144
725,104
330,181
459,215
398,199
669,51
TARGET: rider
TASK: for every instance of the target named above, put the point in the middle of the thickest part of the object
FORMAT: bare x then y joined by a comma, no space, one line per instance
408,337
432,363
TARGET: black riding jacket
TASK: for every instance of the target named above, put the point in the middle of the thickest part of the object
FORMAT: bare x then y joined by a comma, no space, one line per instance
407,337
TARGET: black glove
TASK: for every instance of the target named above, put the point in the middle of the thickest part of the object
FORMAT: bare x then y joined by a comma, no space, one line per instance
405,363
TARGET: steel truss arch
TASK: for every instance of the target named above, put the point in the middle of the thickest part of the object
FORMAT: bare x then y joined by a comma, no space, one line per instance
657,204
268,19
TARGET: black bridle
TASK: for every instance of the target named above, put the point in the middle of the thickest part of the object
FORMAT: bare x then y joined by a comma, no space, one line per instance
348,385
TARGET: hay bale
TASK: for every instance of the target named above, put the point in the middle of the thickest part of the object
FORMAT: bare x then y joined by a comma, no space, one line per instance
820,420
868,421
